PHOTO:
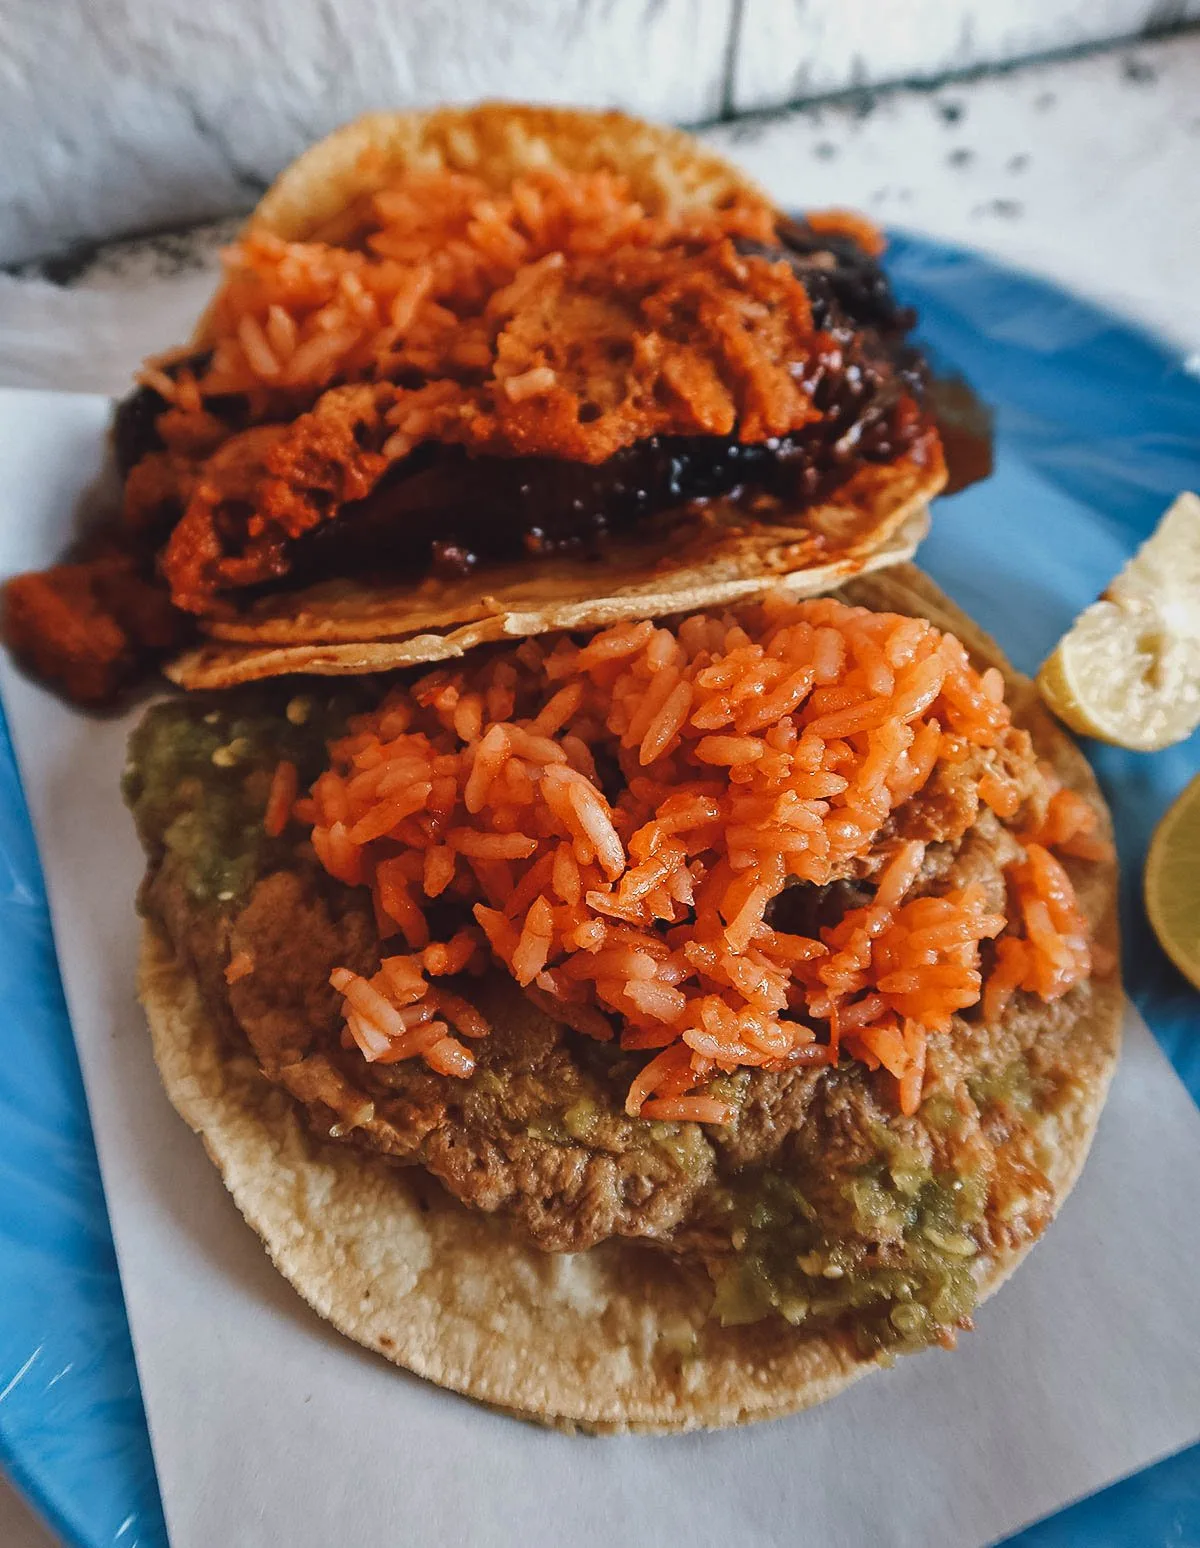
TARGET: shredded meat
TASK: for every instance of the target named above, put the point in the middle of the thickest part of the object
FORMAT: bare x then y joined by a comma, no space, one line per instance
980,858
271,485
646,345
496,1142
964,842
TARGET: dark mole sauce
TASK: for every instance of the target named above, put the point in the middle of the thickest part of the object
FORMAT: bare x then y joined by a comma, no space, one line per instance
964,424
444,510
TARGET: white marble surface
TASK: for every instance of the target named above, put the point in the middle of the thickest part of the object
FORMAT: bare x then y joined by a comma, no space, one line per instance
1088,171
125,115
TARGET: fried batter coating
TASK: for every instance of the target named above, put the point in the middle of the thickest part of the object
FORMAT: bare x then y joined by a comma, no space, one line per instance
88,628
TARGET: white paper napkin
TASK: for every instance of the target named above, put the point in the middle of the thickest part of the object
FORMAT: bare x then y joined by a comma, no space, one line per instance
269,1429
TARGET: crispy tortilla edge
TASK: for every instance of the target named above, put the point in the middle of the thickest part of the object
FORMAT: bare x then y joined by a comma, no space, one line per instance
223,664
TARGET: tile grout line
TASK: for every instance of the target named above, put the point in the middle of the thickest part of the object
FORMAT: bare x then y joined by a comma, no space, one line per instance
733,44
1154,33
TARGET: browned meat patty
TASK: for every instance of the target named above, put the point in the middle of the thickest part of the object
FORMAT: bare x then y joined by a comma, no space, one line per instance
539,1132
817,1201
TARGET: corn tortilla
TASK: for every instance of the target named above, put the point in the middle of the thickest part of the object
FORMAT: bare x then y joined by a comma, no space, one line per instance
876,519
616,1338
317,197
343,628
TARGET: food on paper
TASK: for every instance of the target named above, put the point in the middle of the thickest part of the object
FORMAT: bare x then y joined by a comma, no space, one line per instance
655,1027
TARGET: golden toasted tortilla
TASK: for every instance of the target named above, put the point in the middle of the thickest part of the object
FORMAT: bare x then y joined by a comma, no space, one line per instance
323,195
611,1339
343,628
875,520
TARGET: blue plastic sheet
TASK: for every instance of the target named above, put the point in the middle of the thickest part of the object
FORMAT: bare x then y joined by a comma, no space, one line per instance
72,1428
1098,427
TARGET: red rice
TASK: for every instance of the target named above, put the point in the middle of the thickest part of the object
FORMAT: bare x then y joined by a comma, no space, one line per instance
755,751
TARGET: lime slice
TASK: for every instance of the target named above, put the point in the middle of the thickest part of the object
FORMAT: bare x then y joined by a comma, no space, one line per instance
1172,883
1128,670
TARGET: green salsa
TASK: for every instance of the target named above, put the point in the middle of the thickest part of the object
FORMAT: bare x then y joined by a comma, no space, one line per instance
807,1248
199,772
1012,1085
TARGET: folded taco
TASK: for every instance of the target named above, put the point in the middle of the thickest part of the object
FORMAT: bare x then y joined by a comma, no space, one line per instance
652,1027
489,372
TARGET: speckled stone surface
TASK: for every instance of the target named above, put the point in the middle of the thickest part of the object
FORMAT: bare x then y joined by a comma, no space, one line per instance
794,50
1086,172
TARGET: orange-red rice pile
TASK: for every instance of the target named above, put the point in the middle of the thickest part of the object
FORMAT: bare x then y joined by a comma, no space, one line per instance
513,309
558,318
753,753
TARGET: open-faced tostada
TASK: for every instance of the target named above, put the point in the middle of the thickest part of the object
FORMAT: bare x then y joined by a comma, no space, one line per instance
654,1027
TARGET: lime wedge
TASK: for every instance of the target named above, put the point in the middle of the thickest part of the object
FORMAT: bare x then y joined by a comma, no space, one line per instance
1172,883
1128,670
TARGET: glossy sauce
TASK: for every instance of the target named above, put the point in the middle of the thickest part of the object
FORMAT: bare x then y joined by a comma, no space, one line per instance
965,425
